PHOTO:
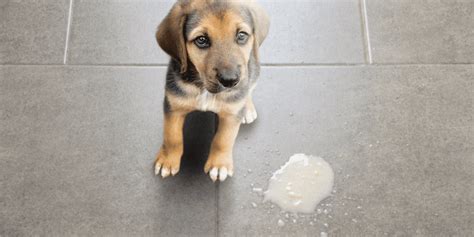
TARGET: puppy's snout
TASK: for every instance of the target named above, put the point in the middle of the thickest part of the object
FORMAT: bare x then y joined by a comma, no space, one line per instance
228,77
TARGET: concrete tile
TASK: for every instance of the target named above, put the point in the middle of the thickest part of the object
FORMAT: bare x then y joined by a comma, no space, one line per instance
122,32
405,31
318,31
398,138
77,151
117,32
33,32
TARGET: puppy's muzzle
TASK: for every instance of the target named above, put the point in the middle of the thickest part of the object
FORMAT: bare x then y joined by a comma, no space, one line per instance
228,77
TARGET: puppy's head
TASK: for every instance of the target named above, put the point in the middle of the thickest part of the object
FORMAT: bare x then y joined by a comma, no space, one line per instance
218,38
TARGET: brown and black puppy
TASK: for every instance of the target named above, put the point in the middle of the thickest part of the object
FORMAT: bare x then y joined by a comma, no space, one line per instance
214,66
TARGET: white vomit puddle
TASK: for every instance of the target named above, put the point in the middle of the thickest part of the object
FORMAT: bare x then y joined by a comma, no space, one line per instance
300,184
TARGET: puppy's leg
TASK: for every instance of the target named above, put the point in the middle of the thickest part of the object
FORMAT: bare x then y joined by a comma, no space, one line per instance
250,113
220,163
169,157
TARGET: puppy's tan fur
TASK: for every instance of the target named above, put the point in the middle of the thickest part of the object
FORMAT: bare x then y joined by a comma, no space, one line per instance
192,79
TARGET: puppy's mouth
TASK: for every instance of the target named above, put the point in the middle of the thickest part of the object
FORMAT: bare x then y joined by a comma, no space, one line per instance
214,89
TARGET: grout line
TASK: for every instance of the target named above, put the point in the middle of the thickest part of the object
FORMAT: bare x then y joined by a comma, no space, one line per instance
165,64
69,19
362,31
263,65
362,64
86,65
217,209
216,124
309,64
365,25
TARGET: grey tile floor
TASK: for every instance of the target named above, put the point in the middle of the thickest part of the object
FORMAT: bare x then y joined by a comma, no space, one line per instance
383,90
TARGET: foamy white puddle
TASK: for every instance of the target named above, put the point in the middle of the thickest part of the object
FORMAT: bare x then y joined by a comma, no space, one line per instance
300,184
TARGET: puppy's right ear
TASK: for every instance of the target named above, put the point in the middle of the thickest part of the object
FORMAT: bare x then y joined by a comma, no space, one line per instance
170,35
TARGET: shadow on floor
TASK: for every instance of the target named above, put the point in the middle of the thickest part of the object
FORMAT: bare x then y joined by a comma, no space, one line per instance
190,191
199,129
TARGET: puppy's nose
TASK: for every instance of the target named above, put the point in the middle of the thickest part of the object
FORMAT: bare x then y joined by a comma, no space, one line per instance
228,78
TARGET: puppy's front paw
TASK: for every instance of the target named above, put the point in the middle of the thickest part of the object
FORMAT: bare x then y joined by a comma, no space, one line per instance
219,166
167,164
250,114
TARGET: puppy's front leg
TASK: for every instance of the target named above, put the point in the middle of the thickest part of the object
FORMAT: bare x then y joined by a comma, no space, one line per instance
220,163
169,157
250,113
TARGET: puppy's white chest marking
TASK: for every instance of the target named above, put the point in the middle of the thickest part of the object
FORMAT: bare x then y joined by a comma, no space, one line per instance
207,102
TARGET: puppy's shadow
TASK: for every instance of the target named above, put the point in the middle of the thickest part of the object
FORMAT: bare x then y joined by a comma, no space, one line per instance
199,129
181,199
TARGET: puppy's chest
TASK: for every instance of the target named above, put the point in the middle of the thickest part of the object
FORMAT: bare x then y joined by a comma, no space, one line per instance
208,102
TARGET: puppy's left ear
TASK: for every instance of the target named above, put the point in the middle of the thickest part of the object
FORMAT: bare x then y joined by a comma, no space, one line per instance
261,22
170,35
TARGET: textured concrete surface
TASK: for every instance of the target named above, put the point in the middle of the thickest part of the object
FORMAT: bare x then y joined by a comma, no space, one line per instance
33,31
117,32
313,32
77,150
122,32
406,31
77,142
398,138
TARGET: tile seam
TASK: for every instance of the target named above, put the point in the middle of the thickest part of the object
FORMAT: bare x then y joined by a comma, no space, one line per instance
263,65
68,30
365,26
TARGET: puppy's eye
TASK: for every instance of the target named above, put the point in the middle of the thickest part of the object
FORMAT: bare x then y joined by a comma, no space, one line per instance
242,38
202,42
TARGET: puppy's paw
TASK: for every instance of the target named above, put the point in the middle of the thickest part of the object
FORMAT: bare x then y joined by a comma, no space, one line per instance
219,166
167,164
250,114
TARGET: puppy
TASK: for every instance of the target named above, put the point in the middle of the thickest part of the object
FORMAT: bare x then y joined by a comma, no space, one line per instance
214,66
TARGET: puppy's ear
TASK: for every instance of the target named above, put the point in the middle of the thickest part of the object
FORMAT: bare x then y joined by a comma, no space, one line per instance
260,20
170,35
